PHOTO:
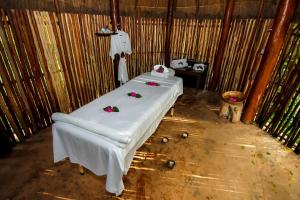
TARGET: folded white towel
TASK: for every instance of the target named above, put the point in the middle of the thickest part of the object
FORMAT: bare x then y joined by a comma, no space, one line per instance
163,75
180,63
156,67
93,127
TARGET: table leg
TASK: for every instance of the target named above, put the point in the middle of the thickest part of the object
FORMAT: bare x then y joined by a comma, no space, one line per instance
81,169
172,111
198,84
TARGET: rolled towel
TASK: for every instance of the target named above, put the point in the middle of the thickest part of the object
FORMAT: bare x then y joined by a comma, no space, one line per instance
156,67
163,75
93,127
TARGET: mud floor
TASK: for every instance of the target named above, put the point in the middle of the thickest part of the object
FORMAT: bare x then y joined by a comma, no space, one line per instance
219,160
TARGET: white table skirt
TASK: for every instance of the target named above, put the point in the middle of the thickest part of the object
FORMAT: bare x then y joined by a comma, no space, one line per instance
138,119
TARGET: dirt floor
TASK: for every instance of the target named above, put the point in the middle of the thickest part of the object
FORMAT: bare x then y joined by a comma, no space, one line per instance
219,160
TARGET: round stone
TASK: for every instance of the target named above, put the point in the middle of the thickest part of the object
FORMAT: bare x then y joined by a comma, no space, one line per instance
171,164
165,140
184,135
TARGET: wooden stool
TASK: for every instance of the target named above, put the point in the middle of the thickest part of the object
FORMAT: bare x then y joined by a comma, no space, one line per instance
232,110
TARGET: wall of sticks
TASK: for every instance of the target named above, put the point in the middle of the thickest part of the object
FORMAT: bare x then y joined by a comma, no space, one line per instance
199,39
49,62
54,61
279,113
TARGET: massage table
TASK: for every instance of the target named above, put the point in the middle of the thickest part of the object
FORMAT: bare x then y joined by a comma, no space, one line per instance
105,142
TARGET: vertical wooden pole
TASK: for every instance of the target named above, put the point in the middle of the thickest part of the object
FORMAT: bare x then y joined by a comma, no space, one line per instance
171,9
115,15
116,24
245,82
222,44
197,9
284,15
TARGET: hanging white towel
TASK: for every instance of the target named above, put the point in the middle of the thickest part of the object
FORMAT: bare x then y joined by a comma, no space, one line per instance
120,43
122,72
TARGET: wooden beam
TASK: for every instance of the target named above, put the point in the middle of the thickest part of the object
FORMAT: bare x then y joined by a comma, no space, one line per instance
171,9
116,24
222,44
284,15
114,15
246,83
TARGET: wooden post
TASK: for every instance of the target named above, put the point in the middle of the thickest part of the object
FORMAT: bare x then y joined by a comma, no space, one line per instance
222,44
116,24
284,15
171,9
245,82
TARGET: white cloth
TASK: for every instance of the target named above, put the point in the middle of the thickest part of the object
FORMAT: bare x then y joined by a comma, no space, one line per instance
138,119
122,72
163,75
120,139
120,43
180,63
156,67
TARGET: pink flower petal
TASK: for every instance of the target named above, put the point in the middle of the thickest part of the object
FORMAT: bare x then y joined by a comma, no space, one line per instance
133,94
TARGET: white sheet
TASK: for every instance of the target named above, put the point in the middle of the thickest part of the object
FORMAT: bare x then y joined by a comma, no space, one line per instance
118,138
163,75
138,119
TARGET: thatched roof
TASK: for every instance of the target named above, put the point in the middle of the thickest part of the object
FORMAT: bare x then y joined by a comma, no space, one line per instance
153,8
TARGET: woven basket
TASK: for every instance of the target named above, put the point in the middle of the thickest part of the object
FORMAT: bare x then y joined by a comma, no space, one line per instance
233,94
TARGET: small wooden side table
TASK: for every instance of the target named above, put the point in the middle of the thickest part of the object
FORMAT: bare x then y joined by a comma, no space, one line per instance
200,76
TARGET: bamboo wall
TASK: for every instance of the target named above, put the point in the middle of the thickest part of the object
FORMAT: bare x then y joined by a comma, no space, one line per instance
198,39
279,113
49,62
147,40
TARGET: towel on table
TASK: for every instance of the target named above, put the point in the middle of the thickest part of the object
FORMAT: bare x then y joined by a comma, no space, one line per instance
157,67
166,73
93,127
